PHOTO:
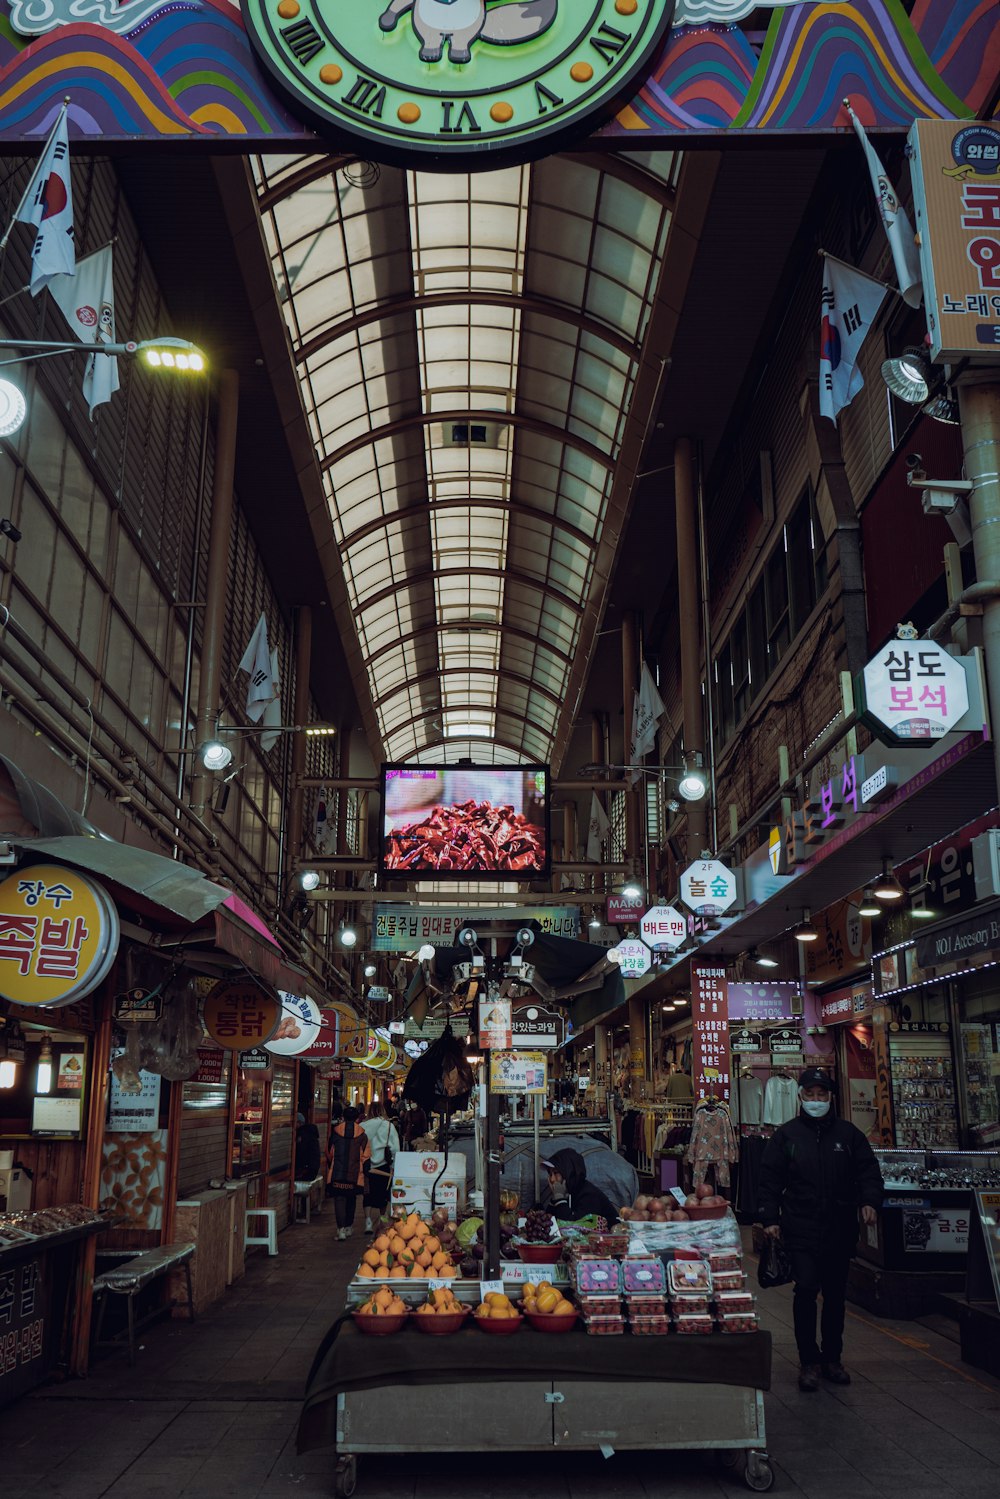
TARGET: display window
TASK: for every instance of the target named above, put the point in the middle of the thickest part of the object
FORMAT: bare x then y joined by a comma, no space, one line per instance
978,1056
924,1097
43,1082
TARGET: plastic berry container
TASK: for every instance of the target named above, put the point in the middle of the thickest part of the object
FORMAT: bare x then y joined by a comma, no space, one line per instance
689,1277
738,1322
691,1305
604,1327
643,1277
694,1322
728,1280
728,1303
646,1306
650,1327
601,1306
598,1277
725,1259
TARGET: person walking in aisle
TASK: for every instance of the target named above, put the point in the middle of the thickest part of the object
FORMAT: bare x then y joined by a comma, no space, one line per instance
384,1142
817,1173
348,1153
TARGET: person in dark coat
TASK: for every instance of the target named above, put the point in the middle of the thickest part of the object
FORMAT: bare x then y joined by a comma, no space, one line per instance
347,1156
818,1172
573,1196
307,1150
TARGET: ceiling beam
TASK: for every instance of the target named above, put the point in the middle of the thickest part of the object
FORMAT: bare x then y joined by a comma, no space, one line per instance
426,506
554,434
466,671
473,626
508,574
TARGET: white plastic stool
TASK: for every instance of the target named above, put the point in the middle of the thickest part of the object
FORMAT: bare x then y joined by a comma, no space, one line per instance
270,1239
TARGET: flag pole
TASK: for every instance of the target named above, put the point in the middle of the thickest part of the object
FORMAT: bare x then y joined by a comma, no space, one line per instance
32,179
825,255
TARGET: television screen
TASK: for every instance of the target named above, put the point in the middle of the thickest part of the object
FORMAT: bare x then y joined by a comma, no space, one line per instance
465,822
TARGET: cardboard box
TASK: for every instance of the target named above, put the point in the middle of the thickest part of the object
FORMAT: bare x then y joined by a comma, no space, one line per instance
414,1176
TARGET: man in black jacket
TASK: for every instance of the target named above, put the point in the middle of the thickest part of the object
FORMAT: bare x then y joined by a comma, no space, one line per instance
817,1172
573,1196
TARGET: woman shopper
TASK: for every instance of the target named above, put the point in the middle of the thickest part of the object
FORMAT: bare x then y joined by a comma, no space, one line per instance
817,1174
349,1151
384,1142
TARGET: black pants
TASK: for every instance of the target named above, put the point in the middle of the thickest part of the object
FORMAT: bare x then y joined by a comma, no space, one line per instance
345,1205
816,1272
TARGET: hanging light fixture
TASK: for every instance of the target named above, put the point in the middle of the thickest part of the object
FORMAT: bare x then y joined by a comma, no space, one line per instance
215,755
632,891
805,931
347,936
595,920
693,784
887,887
762,959
921,907
12,408
869,905
943,408
908,376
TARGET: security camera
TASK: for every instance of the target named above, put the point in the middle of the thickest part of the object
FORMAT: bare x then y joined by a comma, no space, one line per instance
8,528
914,460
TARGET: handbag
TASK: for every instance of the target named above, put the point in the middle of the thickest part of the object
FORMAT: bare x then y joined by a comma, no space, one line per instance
774,1268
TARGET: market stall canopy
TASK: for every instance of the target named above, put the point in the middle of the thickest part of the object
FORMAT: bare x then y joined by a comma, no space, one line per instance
29,809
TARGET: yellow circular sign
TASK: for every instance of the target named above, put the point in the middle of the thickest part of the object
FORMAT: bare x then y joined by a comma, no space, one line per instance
59,935
239,1014
348,1025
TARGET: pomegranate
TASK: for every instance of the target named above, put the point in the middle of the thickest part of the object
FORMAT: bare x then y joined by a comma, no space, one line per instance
642,1202
704,1190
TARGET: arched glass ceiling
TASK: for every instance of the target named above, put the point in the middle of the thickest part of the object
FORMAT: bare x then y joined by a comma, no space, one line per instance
468,348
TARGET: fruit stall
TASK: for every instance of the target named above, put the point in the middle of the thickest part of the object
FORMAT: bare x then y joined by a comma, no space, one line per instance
638,1335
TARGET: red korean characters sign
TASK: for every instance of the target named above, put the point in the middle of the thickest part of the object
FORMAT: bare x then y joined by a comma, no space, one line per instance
59,935
710,1070
240,1014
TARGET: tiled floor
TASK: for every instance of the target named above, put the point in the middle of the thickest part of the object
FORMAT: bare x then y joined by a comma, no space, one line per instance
210,1412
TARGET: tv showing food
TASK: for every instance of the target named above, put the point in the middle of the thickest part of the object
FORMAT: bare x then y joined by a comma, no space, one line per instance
467,822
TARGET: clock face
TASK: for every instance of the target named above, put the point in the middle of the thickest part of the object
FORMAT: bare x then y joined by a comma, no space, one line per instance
466,84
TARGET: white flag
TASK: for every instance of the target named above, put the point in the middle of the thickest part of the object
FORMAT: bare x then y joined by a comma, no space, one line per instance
599,829
262,688
48,204
898,229
87,302
850,305
272,711
647,710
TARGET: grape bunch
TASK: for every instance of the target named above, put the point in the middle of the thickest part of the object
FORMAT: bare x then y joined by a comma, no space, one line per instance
538,1227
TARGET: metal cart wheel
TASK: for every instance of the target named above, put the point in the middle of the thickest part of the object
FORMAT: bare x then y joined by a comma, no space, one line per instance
759,1474
345,1479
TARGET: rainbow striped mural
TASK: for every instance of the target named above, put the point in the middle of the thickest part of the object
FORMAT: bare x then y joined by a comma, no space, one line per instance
185,68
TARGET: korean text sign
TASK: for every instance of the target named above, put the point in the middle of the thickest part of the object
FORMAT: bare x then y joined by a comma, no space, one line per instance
710,1069
58,935
956,191
240,1014
914,690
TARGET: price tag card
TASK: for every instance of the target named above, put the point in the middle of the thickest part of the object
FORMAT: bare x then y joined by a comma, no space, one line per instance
637,1247
680,1195
489,1286
437,1285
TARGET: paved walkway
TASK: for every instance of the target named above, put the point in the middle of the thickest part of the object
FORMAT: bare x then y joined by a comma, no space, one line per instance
210,1412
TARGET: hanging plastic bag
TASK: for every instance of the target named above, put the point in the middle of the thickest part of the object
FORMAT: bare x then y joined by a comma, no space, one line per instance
774,1268
441,1080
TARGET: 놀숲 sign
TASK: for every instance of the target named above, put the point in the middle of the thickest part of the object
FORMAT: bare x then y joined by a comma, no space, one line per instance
708,888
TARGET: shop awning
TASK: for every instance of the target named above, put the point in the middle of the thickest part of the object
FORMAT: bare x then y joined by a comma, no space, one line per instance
174,888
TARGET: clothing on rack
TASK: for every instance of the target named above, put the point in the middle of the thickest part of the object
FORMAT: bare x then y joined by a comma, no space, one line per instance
747,1100
713,1143
781,1099
751,1155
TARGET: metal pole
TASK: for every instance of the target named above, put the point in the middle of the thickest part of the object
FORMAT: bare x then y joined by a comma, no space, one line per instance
537,1134
630,681
303,666
213,640
690,627
979,405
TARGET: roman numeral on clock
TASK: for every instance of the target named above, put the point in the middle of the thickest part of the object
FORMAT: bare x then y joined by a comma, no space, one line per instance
366,97
303,41
609,42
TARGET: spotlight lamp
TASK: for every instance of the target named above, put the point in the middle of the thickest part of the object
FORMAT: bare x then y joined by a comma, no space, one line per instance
632,891
921,905
215,755
468,937
524,936
595,920
308,879
370,970
173,354
869,905
887,887
347,937
908,376
427,953
692,785
761,959
805,931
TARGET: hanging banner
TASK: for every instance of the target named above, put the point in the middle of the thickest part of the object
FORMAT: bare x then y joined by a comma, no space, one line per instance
913,690
768,1001
495,1025
518,1072
663,928
404,928
634,958
710,1064
59,935
708,888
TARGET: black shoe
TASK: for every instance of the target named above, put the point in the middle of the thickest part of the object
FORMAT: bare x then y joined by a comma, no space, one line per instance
836,1374
809,1378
